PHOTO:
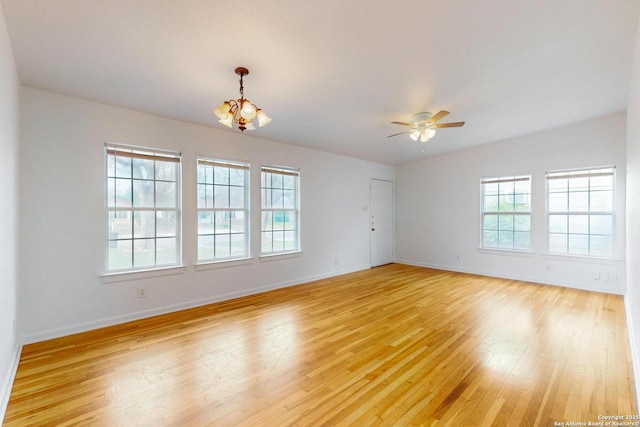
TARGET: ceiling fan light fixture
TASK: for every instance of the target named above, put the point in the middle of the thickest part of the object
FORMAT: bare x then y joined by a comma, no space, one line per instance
241,111
414,135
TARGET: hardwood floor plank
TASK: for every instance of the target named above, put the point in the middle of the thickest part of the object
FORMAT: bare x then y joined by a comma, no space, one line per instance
394,345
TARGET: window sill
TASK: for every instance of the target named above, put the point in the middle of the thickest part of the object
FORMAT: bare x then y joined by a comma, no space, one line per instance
141,274
509,252
212,265
279,256
581,258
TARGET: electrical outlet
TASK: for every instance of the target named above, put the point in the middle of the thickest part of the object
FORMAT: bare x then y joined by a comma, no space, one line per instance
142,293
613,277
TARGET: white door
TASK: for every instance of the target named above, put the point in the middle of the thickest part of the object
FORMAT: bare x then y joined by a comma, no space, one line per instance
381,222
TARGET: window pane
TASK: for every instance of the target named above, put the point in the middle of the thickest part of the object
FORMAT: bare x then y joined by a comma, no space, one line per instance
277,199
266,198
522,223
601,224
144,252
111,166
601,183
289,220
166,195
288,199
558,202
490,239
490,222
166,224
578,244
143,194
143,168
278,241
601,201
237,176
237,220
221,175
166,171
236,197
208,195
120,226
579,201
288,182
238,245
267,242
202,197
290,240
521,240
558,243
123,167
206,223
123,193
579,224
491,203
276,180
201,174
221,194
506,187
601,245
111,192
222,248
506,203
205,247
559,223
167,251
490,189
144,224
223,223
505,222
579,184
267,221
120,253
558,185
505,239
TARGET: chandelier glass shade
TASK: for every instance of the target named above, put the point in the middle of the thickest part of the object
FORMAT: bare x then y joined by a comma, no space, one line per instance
241,111
423,134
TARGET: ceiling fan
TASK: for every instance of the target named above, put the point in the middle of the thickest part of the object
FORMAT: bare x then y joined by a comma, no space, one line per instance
423,125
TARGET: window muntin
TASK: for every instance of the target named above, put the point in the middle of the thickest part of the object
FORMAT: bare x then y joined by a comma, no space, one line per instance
506,212
280,218
143,208
580,212
223,210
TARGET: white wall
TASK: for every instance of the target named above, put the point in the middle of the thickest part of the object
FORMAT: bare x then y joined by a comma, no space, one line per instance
62,219
632,298
9,348
438,204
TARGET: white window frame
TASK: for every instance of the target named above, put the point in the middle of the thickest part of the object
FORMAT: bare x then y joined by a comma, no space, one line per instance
269,212
116,209
577,213
212,206
504,212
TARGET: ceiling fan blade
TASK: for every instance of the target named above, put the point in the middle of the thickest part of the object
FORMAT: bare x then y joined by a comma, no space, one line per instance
449,125
402,123
438,116
399,133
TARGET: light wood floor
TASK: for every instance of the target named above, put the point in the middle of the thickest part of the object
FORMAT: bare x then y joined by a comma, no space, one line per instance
395,345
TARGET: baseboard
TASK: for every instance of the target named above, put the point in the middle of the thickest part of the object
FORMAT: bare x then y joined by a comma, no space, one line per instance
115,320
635,357
565,284
5,389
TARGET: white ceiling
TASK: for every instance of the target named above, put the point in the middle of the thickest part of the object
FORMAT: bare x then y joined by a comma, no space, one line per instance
333,73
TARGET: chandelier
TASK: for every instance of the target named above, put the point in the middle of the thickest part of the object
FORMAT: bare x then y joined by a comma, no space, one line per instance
241,111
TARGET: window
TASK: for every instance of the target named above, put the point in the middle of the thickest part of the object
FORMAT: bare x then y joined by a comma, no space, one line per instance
280,222
506,212
580,212
143,208
223,210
